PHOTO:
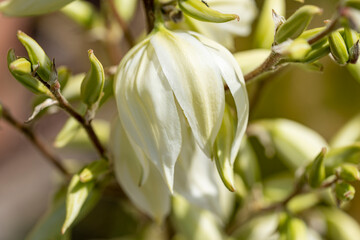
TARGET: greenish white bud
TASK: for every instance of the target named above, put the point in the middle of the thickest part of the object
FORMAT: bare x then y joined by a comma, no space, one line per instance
344,191
93,83
294,49
348,172
317,170
201,11
292,228
297,23
21,71
338,48
37,56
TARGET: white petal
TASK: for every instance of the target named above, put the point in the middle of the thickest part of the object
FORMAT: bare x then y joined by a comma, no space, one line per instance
195,81
233,77
195,175
153,196
148,112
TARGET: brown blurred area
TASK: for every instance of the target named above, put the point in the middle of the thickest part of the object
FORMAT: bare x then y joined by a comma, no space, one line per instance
321,101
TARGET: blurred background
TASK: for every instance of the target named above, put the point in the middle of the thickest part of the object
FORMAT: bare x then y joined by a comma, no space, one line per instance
323,101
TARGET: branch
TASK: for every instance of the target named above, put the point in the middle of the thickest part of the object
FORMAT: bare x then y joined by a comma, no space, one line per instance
124,26
298,189
64,104
27,131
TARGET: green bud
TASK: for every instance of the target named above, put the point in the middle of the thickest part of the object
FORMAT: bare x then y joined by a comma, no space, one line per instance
344,191
37,56
94,169
353,3
297,23
63,75
317,52
21,71
222,149
202,12
81,12
348,172
291,228
317,170
20,66
295,50
338,48
93,83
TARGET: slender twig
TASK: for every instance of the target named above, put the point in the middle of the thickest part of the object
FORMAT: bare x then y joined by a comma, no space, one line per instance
64,104
35,140
123,24
149,11
331,26
300,188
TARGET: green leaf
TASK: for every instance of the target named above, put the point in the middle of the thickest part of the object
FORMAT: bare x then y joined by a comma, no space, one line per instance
49,226
76,196
67,133
20,8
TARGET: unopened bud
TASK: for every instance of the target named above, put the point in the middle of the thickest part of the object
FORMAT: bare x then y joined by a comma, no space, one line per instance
21,71
37,55
94,169
295,50
344,191
317,170
348,172
296,24
317,52
20,66
93,83
201,11
338,48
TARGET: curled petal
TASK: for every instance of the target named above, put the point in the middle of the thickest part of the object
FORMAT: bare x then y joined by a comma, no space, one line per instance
195,81
153,196
148,111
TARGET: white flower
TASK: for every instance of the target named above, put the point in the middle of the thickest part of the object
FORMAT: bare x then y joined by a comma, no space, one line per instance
224,33
170,96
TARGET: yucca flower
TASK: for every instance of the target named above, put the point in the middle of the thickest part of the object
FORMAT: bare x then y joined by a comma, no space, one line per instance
169,84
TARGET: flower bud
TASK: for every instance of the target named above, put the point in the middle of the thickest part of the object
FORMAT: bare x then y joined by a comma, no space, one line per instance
222,149
31,7
338,48
93,83
37,56
94,169
344,191
21,71
291,228
348,172
201,11
352,43
317,52
296,23
317,170
81,12
295,50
